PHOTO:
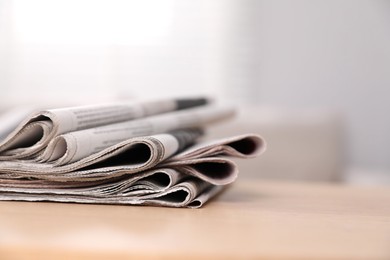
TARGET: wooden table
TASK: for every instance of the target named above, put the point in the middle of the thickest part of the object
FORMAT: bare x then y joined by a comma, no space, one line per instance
252,219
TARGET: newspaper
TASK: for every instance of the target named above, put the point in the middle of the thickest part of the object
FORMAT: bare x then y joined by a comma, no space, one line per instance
34,133
184,180
190,193
76,145
154,160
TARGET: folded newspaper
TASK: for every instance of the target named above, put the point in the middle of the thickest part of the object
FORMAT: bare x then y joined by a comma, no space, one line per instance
136,153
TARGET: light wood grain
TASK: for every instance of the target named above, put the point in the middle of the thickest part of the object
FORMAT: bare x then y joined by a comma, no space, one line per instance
262,220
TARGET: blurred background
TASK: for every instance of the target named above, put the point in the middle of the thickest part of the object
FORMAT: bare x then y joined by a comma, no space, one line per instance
313,77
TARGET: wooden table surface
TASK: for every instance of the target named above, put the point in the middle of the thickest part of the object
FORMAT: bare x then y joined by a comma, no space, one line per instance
251,219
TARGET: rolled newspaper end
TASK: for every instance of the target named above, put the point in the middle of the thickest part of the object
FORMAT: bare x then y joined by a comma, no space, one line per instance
205,196
241,146
207,160
11,118
179,195
214,170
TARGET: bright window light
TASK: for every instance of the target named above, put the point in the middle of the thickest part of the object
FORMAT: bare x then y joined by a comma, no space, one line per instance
93,21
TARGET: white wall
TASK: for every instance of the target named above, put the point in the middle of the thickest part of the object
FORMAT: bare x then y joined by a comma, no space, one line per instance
331,54
68,50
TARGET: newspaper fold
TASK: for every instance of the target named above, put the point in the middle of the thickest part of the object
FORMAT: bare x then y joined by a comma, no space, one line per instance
34,133
160,187
184,180
142,153
71,147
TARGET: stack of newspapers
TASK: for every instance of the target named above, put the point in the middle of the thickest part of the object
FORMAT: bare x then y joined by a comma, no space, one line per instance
136,153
